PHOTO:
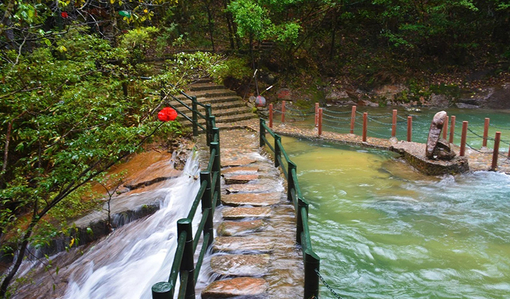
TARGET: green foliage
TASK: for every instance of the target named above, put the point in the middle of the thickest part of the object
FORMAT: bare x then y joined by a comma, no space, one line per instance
233,67
261,20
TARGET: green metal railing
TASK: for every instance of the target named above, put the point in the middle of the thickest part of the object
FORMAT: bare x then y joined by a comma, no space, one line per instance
289,170
209,195
195,113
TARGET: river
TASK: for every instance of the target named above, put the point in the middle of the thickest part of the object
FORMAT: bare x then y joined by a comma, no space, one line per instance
383,230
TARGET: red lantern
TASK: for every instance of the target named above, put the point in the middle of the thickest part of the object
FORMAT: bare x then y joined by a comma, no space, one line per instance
167,114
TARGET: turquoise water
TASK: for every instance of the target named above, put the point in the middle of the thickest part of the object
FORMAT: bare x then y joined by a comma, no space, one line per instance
382,230
338,119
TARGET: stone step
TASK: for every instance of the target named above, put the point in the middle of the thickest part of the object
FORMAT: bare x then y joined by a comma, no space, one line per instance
246,212
252,199
242,287
261,186
205,86
239,178
239,228
240,264
212,93
243,244
216,103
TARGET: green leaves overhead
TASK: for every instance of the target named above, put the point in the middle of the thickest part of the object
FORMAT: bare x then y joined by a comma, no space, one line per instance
263,19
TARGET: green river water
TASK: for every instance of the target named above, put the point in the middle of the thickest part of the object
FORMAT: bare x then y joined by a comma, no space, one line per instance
383,230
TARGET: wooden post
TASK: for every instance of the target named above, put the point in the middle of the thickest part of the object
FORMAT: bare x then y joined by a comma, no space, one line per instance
495,152
394,124
365,114
463,139
283,112
445,128
353,117
409,128
316,115
485,131
452,129
271,115
320,122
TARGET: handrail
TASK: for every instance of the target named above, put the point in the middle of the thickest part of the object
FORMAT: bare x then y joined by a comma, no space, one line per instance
311,260
208,195
194,110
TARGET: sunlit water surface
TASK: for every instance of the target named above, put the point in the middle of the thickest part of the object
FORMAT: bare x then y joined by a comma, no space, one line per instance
383,230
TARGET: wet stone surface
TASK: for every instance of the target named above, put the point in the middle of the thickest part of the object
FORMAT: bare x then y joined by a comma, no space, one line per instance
237,228
246,212
256,232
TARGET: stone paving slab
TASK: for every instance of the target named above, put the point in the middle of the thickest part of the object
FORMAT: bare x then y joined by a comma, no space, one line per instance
241,264
237,228
246,212
240,178
240,170
244,244
252,199
252,288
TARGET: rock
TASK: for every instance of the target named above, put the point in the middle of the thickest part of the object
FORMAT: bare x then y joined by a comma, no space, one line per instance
240,264
434,133
253,199
238,228
438,101
390,91
443,151
242,286
246,212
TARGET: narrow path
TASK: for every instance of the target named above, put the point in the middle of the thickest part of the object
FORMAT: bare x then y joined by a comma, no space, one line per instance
478,159
254,252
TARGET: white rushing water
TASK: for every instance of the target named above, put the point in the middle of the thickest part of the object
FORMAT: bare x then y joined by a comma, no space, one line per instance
130,260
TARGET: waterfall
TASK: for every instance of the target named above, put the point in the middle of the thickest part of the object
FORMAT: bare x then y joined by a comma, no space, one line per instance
129,261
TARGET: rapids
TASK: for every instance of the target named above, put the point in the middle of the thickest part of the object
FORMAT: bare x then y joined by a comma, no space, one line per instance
129,261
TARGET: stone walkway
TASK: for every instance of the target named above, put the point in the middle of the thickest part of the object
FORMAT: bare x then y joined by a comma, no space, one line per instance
254,252
478,160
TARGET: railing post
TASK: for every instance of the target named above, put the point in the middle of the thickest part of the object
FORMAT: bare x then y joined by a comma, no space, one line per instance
316,114
216,167
290,180
194,111
353,118
452,129
208,123
319,130
365,116
409,128
312,268
300,206
485,131
283,112
262,133
207,204
495,152
445,128
187,264
394,124
162,290
277,150
271,115
463,139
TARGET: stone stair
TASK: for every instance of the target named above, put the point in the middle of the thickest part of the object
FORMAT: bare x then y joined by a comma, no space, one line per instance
254,254
226,105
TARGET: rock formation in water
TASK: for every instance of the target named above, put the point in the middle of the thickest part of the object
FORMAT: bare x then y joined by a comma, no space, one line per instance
437,148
